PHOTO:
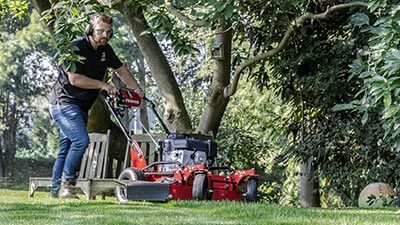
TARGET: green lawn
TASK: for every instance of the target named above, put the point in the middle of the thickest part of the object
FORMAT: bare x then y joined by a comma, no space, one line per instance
16,208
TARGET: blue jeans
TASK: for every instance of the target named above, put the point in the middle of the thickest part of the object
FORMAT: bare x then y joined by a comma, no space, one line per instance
74,139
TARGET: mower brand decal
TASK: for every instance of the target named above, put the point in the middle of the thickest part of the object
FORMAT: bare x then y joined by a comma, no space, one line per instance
128,100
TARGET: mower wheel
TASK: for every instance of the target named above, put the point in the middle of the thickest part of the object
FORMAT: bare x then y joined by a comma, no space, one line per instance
199,190
251,190
127,174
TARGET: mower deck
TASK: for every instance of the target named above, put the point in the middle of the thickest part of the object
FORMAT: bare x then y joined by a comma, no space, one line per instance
147,191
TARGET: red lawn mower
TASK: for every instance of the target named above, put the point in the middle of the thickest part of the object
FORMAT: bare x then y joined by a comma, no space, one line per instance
184,170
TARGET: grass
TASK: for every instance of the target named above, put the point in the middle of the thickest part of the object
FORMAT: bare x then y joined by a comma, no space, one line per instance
16,208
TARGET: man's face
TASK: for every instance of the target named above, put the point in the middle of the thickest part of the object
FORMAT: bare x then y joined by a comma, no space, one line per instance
101,32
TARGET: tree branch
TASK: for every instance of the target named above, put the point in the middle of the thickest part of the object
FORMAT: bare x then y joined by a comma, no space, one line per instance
298,22
41,6
171,9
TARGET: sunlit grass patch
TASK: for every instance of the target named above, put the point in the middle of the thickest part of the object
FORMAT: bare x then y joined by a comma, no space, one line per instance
17,208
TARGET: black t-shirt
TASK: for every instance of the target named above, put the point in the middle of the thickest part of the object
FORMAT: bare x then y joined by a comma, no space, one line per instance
94,66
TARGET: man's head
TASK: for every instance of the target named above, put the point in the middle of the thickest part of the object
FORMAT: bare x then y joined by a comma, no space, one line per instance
100,28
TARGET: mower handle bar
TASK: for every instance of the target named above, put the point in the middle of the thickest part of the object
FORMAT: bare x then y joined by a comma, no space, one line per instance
152,106
106,96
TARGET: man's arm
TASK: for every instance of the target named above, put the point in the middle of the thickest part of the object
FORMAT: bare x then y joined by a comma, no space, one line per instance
84,82
127,78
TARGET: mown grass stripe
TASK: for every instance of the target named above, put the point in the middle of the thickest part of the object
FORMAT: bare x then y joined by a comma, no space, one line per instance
16,208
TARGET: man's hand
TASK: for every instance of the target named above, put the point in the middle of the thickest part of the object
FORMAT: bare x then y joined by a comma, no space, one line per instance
111,90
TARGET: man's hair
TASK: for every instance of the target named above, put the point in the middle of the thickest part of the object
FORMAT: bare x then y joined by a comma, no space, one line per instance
101,17
94,19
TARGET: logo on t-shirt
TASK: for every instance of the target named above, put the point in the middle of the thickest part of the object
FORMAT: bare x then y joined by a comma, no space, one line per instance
103,57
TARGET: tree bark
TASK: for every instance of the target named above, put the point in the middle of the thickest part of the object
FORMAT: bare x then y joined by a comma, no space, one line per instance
144,119
175,114
9,139
216,101
41,6
10,145
309,187
3,121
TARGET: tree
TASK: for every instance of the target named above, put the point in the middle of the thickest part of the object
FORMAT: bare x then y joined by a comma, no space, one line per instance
297,73
377,64
20,83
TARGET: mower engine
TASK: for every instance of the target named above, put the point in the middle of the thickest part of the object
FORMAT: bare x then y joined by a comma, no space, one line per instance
186,150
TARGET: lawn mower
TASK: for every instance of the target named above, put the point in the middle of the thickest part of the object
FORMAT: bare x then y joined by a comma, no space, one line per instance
184,169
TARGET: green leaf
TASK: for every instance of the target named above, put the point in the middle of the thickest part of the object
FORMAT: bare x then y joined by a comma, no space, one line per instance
58,5
387,100
146,32
396,54
394,82
75,11
364,118
396,16
381,21
390,112
359,19
396,130
373,5
342,107
365,74
375,79
73,67
228,12
396,91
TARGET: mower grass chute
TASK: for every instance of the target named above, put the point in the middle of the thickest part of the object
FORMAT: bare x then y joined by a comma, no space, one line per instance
185,168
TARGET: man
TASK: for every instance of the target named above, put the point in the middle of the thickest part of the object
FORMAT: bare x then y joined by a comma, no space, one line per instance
74,93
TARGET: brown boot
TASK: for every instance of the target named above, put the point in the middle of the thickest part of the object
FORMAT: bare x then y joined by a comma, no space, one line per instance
67,190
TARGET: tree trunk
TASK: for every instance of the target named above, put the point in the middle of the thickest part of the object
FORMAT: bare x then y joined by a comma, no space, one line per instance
176,115
144,119
216,102
2,159
10,145
41,6
9,138
2,165
3,121
309,187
